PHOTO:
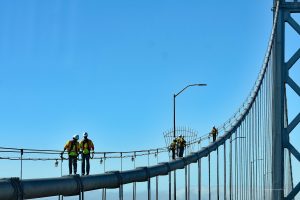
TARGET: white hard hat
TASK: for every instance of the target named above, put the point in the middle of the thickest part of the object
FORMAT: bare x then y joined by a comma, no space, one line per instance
85,134
76,137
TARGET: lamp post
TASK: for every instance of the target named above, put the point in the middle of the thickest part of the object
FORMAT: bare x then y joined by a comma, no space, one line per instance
174,123
174,103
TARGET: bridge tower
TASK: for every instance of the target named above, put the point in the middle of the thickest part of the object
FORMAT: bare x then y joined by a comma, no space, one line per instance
281,128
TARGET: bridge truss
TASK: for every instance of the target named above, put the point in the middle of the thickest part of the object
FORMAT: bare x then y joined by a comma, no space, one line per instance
281,126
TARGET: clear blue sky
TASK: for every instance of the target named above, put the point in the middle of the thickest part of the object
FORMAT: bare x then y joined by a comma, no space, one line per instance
111,67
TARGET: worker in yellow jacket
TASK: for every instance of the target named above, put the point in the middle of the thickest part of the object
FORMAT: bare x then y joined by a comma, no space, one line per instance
172,147
72,147
87,148
214,133
181,143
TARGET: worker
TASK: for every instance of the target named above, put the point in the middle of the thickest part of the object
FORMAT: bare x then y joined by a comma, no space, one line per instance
181,143
173,148
178,140
72,147
214,133
86,147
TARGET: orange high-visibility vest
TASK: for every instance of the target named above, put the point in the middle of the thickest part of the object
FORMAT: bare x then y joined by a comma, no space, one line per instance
86,146
72,147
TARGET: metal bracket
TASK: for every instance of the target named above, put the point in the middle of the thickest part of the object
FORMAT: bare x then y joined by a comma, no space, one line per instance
18,190
79,186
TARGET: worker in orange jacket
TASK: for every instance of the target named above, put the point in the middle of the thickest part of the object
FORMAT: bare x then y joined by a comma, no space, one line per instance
172,147
181,143
214,133
87,148
72,147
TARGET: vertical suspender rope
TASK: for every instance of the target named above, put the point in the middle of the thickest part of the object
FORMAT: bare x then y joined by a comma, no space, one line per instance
239,169
156,191
148,158
225,170
189,182
247,155
185,180
61,162
121,156
251,187
134,183
149,188
104,189
244,157
174,185
235,166
241,162
230,170
209,194
199,179
218,173
265,131
256,148
156,176
258,144
21,174
265,127
261,135
170,188
252,153
121,191
264,136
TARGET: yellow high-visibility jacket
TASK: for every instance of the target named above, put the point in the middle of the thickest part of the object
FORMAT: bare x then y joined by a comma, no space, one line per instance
72,147
181,142
86,146
173,146
214,131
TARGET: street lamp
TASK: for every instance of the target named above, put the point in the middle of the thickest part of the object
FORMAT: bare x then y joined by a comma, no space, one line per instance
236,138
174,97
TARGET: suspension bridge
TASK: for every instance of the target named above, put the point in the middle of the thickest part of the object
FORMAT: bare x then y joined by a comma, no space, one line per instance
251,158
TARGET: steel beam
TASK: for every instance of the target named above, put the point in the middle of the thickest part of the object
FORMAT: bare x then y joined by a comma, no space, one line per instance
278,91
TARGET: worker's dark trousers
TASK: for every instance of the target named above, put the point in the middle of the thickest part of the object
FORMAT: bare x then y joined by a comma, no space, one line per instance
173,154
181,150
72,161
214,137
85,158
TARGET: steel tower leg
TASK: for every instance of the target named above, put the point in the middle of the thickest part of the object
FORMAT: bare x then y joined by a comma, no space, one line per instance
281,77
278,108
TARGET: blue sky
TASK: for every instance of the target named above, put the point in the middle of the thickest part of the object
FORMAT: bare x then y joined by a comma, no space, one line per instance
111,68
